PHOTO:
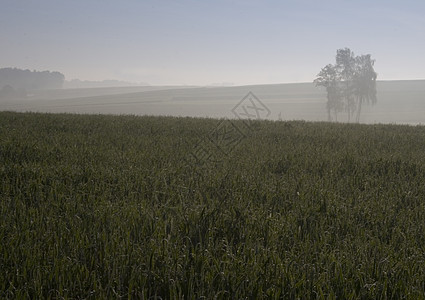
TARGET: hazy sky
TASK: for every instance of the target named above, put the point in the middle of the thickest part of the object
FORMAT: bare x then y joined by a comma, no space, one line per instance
204,42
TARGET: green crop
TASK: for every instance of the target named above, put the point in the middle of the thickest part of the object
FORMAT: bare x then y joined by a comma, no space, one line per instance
110,207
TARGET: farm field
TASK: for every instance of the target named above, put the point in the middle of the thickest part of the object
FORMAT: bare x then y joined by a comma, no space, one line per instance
101,206
399,102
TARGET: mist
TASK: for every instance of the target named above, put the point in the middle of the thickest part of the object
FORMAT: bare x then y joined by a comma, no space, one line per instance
399,102
200,59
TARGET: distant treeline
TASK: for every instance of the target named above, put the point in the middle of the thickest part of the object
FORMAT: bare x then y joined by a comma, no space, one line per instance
13,79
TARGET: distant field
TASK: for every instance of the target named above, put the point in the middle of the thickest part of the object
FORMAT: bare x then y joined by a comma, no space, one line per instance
400,102
93,92
116,206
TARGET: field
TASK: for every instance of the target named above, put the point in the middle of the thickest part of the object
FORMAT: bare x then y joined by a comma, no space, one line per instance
399,102
97,206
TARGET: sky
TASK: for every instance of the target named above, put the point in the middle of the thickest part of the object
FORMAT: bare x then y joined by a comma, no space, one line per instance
201,42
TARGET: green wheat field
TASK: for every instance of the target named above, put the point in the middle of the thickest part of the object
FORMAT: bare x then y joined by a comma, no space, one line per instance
97,206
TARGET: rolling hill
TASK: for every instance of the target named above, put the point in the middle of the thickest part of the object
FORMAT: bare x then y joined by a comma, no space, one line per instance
400,102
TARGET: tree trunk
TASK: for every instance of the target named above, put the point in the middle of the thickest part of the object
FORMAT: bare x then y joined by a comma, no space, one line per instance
349,114
359,109
329,114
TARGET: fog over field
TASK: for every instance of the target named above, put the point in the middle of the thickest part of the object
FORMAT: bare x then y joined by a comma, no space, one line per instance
193,58
399,102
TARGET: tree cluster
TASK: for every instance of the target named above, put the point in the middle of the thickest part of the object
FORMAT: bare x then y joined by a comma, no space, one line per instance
350,83
13,79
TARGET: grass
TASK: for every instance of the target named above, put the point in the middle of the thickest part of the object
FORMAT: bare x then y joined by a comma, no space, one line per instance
109,207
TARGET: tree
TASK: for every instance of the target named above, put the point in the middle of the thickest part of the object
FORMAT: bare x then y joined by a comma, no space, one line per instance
349,83
329,79
364,82
345,65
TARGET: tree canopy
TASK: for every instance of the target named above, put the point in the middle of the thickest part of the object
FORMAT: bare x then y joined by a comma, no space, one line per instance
349,83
